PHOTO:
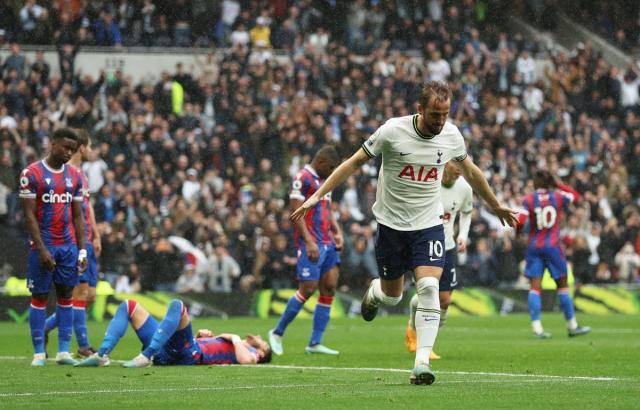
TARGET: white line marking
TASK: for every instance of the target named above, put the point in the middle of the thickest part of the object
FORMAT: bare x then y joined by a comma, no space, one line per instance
496,374
169,390
390,370
277,386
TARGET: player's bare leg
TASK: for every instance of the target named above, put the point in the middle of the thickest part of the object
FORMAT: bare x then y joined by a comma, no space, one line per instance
327,287
387,292
427,321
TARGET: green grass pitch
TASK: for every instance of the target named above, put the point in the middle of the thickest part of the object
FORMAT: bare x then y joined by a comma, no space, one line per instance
489,362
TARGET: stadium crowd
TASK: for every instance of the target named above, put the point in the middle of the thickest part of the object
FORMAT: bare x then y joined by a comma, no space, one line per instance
207,154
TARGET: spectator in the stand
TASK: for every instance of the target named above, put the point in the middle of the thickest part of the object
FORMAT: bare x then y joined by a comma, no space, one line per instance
279,265
359,265
483,265
627,262
221,270
95,169
106,30
129,282
149,22
16,61
33,20
261,33
189,281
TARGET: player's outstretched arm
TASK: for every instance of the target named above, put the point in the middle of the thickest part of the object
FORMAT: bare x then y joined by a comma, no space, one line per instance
337,177
479,183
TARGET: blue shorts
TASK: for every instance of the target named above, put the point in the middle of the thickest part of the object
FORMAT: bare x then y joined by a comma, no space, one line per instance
179,349
400,251
448,280
90,276
540,258
309,270
65,273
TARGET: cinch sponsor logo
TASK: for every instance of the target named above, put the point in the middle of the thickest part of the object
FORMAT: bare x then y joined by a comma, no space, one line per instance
53,198
423,174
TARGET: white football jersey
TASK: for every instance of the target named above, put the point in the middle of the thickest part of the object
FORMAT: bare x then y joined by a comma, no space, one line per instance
455,198
408,192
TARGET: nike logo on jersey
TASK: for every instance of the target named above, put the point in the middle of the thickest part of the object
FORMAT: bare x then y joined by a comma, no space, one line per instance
403,154
48,181
433,260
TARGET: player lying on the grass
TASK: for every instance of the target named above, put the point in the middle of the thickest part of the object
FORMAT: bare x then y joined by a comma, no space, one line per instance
171,341
457,198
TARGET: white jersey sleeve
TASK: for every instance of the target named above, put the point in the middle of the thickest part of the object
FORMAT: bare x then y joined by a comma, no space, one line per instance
377,142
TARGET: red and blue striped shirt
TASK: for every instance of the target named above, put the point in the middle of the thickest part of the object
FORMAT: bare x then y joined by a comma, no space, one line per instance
54,191
216,350
544,210
318,219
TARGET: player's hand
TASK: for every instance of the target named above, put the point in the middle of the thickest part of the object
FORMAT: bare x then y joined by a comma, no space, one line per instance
301,212
82,260
97,246
204,333
507,216
462,245
313,252
46,260
338,240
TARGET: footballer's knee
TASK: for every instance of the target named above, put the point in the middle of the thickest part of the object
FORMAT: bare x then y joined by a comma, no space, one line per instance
562,282
41,297
64,291
91,295
307,288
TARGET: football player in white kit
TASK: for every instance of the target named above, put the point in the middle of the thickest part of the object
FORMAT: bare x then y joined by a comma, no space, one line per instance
410,235
457,199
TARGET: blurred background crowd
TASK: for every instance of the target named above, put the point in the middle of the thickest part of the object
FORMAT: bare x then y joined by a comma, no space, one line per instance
207,152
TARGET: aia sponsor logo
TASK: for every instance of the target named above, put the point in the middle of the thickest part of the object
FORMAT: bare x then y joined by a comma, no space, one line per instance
52,198
422,174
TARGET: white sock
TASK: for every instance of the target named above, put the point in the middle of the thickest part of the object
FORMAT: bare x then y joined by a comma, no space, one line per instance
413,306
572,323
380,296
536,325
427,317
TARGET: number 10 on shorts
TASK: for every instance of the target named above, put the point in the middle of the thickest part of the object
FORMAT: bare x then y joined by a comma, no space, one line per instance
436,249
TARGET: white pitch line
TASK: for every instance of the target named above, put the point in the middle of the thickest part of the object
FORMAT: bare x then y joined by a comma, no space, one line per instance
391,370
168,390
232,388
382,369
